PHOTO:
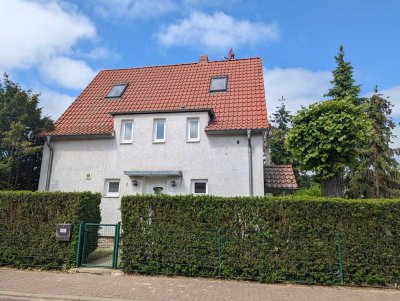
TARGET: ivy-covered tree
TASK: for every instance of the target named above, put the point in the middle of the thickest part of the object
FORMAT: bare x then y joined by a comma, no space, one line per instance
343,81
277,135
326,138
20,151
377,173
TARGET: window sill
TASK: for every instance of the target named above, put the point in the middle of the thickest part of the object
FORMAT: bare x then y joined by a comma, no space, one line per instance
158,142
126,142
192,141
111,196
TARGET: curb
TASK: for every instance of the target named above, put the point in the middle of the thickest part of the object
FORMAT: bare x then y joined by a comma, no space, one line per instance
46,297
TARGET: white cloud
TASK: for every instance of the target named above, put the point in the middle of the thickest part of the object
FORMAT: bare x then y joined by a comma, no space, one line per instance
33,31
394,96
216,31
300,87
134,8
68,73
54,103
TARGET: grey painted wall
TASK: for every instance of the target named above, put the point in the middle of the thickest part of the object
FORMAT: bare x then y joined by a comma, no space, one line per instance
221,159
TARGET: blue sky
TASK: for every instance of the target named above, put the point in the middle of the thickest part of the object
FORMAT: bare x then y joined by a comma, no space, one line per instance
56,47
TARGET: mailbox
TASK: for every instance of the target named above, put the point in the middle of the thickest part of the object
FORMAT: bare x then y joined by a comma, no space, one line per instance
63,232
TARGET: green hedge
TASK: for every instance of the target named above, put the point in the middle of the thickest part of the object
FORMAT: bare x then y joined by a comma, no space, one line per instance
288,239
28,226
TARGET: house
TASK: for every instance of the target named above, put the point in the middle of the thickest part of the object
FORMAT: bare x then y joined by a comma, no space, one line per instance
178,129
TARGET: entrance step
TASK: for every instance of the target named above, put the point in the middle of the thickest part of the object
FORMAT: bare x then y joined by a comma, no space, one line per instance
97,271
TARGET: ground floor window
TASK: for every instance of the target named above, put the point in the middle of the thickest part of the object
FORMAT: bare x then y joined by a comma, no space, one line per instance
199,186
112,188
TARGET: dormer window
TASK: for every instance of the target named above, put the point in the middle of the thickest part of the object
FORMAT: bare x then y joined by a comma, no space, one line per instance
219,84
117,91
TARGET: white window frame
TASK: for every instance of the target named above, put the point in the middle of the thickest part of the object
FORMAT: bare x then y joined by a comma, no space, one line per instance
199,181
188,138
107,192
155,122
123,122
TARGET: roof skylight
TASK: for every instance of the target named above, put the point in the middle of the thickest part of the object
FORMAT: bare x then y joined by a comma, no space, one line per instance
218,84
117,90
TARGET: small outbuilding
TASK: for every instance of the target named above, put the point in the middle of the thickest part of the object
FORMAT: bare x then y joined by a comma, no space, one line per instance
279,179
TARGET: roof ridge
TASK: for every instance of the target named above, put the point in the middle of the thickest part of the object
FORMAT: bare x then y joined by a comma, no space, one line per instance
180,64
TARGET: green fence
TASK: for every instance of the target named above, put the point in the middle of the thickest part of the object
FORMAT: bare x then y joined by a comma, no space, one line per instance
267,256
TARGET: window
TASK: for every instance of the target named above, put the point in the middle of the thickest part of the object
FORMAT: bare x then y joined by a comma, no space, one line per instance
218,84
193,130
112,188
126,131
117,90
200,186
159,130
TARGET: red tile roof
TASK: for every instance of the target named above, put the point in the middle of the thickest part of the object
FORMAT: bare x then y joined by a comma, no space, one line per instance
279,177
163,88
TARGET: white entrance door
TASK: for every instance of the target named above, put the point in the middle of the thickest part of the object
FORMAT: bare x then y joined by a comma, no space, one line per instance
156,184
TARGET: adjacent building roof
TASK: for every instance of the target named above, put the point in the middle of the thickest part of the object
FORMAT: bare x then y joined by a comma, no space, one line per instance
279,177
171,88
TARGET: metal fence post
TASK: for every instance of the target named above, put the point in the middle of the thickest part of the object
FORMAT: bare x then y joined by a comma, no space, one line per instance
219,251
116,245
78,249
340,257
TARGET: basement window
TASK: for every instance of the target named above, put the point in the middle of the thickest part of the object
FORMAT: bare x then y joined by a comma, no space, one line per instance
219,84
117,91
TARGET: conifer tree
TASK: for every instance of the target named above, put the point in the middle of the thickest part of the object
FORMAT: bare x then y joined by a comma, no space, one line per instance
277,135
378,173
343,81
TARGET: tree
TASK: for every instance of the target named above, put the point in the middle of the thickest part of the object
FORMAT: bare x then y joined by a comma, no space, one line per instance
377,173
326,138
277,135
20,150
343,81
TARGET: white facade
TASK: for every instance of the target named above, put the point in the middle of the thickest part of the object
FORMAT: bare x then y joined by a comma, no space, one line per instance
221,161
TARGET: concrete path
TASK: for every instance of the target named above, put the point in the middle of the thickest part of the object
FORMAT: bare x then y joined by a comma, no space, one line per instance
36,285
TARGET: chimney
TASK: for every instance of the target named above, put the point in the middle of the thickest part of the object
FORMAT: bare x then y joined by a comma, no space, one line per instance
203,58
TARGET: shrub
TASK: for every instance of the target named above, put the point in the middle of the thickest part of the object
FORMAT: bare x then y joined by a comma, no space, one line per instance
265,239
28,226
314,191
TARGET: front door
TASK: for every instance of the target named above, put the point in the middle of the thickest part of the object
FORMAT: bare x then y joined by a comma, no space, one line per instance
156,185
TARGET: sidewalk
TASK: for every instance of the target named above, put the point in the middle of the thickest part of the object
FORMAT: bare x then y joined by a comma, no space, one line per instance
35,285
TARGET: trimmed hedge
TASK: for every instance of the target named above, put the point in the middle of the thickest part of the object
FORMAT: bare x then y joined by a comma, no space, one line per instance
288,239
28,226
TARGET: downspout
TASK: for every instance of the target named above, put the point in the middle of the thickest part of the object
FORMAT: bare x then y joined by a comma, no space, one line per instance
250,163
49,166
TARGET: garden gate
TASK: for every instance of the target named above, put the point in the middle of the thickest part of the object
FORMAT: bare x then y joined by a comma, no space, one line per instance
98,245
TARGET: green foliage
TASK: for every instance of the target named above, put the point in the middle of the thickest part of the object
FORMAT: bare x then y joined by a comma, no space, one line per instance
20,151
28,226
277,136
313,191
343,82
377,173
264,239
326,137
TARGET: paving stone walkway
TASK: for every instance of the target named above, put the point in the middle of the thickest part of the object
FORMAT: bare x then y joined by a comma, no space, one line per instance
40,285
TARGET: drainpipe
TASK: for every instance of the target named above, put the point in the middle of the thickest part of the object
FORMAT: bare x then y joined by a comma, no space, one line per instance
50,164
250,163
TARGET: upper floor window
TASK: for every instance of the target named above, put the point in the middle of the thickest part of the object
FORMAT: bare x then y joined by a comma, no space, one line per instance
126,131
117,90
219,84
193,130
159,130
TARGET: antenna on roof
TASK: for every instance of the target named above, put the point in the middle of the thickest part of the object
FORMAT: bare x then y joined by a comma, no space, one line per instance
231,55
